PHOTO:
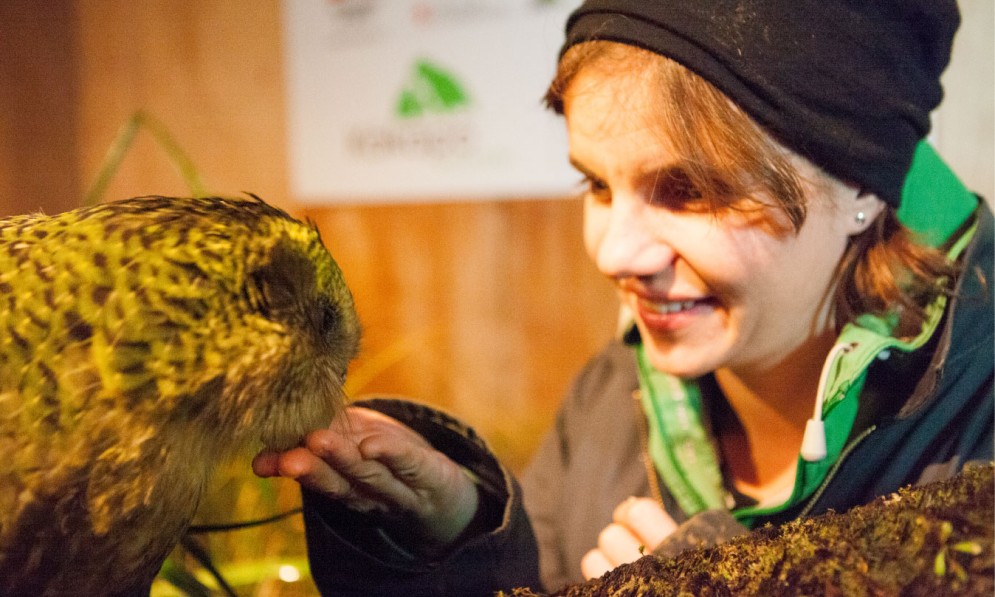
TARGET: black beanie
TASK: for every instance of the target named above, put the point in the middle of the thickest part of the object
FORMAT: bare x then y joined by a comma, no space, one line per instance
849,84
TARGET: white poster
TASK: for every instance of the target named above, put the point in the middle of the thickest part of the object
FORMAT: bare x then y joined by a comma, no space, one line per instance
409,100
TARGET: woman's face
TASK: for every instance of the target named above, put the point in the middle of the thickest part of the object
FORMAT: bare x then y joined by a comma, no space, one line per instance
733,289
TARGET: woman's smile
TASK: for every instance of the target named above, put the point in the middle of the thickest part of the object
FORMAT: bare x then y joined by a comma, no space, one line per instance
664,312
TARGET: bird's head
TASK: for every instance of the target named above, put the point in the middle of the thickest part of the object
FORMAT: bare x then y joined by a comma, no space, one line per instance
243,322
296,292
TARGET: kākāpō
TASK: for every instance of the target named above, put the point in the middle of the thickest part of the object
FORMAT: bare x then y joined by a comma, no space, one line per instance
142,341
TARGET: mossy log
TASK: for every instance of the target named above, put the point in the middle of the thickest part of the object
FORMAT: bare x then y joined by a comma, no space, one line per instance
933,540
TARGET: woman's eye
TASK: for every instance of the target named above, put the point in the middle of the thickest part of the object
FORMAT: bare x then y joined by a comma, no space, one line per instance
676,190
595,188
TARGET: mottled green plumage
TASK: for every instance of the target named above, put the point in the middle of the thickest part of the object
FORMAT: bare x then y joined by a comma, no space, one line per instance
140,341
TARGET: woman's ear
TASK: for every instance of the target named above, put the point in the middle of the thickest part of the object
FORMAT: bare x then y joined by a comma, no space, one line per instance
862,212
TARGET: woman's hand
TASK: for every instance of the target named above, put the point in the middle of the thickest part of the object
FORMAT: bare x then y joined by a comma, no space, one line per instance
372,462
640,525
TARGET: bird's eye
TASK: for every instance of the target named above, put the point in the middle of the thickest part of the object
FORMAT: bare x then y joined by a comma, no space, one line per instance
328,317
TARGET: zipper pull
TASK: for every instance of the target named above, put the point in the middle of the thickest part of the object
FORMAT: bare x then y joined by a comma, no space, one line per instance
814,441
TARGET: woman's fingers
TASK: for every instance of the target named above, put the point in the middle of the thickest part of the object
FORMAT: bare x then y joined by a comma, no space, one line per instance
594,564
639,526
646,519
440,494
266,464
368,461
617,545
294,463
314,473
354,477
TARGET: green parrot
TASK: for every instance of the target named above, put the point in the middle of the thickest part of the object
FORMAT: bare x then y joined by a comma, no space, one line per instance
141,342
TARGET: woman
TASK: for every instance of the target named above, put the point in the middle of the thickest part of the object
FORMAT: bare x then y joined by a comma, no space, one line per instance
794,347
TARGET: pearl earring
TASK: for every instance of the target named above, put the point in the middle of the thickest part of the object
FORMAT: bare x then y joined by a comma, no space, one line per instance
860,218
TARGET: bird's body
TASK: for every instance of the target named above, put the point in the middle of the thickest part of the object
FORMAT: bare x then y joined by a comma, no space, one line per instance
141,341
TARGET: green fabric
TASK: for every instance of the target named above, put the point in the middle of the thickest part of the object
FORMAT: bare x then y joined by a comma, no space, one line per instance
685,457
809,475
935,204
869,336
678,442
934,201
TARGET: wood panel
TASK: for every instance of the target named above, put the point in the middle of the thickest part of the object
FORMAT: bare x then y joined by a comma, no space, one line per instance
210,72
485,309
38,107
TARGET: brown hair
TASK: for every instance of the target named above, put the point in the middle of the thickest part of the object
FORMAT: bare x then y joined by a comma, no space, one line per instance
728,157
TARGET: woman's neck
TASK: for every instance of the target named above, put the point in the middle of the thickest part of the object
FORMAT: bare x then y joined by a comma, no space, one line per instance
761,432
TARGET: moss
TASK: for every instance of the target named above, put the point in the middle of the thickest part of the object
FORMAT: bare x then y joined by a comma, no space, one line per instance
933,540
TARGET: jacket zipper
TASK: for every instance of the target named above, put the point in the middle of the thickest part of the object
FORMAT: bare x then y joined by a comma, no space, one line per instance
832,472
651,475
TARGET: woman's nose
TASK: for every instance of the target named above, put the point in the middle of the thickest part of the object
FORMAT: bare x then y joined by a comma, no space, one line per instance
632,245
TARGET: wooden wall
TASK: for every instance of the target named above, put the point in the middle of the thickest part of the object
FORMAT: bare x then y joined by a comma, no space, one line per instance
486,309
39,83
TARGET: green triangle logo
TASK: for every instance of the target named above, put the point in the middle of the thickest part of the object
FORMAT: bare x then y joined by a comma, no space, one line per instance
430,90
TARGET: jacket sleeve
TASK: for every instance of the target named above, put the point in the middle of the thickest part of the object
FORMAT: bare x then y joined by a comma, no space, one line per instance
705,529
352,553
543,482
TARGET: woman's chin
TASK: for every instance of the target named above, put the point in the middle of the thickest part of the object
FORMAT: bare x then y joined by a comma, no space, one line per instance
684,362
